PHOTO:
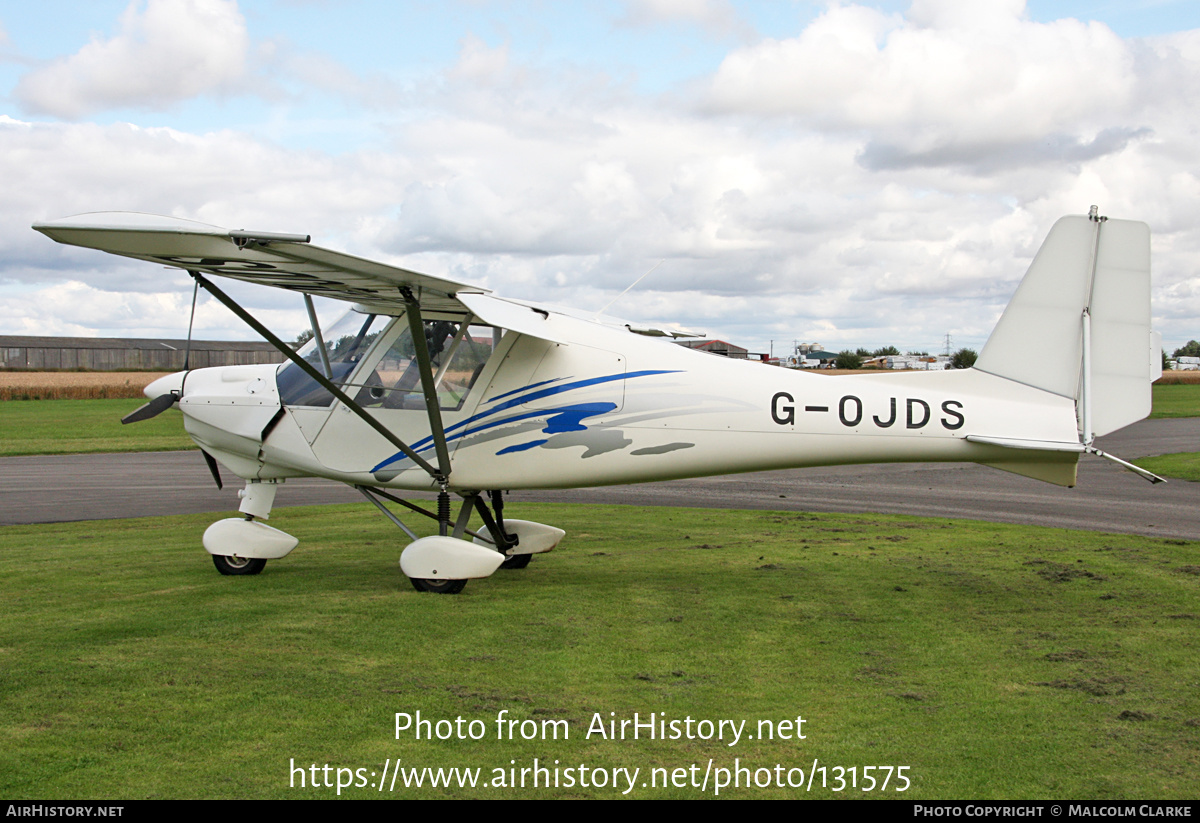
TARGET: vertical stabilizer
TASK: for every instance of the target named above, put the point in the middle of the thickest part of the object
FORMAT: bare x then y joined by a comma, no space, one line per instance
1090,271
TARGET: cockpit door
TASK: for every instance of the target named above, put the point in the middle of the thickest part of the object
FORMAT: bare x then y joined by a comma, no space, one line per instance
387,384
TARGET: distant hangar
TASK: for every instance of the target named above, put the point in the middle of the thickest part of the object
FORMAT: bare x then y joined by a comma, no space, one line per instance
128,353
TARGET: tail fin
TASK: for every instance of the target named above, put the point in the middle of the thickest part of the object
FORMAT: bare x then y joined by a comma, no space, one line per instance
1079,323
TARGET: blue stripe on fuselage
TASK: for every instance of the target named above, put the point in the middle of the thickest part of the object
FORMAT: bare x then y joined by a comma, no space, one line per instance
461,429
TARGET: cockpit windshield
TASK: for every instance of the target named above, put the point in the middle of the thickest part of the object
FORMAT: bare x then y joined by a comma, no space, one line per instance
391,379
346,341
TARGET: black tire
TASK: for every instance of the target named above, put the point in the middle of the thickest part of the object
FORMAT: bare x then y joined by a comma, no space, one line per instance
516,561
238,565
438,586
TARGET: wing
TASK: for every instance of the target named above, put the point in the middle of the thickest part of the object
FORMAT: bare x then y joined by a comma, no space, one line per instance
282,260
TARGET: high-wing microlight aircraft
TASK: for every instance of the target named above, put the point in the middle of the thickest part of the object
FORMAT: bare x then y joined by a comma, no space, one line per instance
435,385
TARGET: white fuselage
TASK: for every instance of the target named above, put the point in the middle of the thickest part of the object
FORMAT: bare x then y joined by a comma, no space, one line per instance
606,406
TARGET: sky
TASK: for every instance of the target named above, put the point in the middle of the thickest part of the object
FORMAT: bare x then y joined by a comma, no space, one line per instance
851,174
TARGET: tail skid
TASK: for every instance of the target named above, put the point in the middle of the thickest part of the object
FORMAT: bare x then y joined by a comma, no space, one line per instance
1138,470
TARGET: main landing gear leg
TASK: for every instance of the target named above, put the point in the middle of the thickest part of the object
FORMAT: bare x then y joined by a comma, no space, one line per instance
517,540
505,543
443,563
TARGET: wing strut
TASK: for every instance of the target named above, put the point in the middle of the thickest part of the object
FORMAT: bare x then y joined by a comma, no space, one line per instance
316,330
286,351
432,406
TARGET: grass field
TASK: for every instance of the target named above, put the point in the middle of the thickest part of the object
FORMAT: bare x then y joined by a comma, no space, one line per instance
85,426
1176,399
993,661
1185,466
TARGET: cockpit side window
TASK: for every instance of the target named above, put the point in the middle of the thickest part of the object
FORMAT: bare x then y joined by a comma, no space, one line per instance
458,353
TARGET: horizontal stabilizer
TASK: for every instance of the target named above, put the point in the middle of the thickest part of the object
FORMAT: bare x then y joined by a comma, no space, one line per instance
1037,445
1053,472
1051,461
1058,468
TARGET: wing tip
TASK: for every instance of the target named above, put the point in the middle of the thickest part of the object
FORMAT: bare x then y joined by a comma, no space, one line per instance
126,221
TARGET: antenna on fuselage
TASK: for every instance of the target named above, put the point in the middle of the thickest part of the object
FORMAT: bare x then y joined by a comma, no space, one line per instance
630,286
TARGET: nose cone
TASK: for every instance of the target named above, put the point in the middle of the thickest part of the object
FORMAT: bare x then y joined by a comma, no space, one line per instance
165,385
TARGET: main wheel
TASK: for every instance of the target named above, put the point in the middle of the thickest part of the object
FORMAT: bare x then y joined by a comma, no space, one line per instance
422,584
238,565
516,561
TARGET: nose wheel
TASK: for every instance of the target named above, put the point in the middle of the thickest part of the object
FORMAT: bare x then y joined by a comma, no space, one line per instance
231,564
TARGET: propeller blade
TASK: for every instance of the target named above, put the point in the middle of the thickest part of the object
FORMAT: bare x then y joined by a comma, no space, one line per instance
155,407
212,467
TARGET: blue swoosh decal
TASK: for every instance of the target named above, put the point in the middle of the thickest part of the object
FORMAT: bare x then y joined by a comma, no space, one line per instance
525,388
574,414
522,447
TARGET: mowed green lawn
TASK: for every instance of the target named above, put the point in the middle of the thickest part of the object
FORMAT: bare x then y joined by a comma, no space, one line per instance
85,426
992,661
1176,400
81,426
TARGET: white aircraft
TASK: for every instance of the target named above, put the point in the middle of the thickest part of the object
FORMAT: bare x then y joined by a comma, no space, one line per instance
430,384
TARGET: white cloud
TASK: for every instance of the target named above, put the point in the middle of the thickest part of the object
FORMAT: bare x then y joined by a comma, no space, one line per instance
480,63
965,76
88,311
164,52
838,215
718,17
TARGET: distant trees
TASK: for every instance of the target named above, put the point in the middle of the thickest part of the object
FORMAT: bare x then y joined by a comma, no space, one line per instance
1192,349
964,358
848,360
961,359
303,337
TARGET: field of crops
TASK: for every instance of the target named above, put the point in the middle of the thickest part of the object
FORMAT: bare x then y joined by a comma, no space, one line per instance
73,385
1176,377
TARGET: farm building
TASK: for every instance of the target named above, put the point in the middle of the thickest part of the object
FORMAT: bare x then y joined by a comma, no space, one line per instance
716,347
128,354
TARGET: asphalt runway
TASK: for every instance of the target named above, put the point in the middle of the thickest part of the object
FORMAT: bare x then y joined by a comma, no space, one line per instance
102,486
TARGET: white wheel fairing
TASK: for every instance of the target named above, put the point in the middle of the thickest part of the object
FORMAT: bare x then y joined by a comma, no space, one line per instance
534,538
237,537
448,558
